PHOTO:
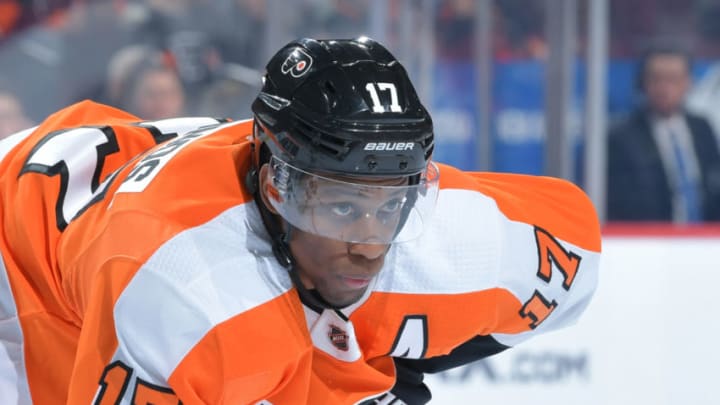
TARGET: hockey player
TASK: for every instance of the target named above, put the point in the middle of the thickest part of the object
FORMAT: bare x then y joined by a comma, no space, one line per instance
312,255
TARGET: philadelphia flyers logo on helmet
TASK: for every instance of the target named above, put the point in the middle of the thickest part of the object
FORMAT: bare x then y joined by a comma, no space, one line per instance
297,63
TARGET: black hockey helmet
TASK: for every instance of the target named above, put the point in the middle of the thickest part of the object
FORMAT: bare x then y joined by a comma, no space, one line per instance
344,107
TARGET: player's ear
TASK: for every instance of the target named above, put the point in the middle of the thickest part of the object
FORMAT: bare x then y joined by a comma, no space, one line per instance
266,189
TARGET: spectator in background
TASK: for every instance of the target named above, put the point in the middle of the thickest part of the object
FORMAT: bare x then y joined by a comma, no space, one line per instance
519,30
663,162
142,81
12,115
189,33
455,21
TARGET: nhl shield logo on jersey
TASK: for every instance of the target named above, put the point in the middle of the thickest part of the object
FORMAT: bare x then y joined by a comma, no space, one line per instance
297,63
338,337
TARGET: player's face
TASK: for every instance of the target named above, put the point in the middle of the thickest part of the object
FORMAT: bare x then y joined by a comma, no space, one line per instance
340,271
342,226
666,83
159,95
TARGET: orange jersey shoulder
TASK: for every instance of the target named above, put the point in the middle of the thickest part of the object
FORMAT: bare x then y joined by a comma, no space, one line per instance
176,185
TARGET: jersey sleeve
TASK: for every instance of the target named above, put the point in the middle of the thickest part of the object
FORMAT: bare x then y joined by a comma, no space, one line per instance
548,252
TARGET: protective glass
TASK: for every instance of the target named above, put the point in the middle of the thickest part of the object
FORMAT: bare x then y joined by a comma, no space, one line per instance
360,210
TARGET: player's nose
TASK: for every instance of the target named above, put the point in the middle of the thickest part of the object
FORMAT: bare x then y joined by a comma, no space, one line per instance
370,251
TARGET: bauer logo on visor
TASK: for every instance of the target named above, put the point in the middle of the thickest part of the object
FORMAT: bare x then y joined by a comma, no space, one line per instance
359,210
297,63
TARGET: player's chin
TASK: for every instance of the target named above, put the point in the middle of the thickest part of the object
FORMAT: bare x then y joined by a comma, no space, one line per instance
345,298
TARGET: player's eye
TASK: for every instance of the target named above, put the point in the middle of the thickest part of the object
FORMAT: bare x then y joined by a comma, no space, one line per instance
392,205
342,209
390,209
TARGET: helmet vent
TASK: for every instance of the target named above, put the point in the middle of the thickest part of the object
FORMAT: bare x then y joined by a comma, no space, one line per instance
428,145
331,95
327,144
429,152
330,88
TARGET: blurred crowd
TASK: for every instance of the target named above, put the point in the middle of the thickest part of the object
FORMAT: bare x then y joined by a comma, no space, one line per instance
154,58
163,58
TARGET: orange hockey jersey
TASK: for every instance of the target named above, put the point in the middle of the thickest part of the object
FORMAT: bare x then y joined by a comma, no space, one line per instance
136,270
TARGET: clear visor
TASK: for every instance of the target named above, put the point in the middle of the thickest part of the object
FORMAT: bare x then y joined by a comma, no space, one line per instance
360,210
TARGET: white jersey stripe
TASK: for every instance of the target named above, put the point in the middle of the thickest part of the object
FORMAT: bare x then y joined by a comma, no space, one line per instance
198,279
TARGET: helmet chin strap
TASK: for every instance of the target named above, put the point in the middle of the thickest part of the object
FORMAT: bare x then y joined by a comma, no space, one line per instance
280,231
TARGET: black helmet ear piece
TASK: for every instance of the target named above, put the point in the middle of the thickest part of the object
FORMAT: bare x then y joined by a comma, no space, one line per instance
252,181
259,155
251,177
